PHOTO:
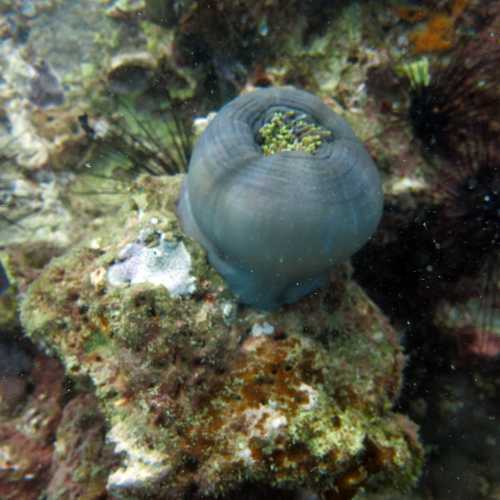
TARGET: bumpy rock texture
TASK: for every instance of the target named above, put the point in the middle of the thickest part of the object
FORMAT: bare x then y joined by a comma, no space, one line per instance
30,411
201,395
47,449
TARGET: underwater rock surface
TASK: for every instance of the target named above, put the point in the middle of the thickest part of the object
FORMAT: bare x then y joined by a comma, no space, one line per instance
201,395
68,53
30,411
49,450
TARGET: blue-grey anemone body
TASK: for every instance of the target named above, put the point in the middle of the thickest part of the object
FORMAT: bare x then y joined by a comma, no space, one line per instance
274,225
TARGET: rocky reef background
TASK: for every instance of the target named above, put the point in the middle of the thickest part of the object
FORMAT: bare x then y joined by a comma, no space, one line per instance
127,368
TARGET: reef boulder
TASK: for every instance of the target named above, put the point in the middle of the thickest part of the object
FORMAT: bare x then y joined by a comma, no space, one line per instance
203,396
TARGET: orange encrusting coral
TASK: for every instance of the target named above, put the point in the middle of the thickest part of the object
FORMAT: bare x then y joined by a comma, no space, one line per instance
458,8
438,32
438,35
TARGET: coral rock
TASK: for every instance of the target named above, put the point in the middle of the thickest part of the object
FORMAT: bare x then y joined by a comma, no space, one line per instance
26,438
202,395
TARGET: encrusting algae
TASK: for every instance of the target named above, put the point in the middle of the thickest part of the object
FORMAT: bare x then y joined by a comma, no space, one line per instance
437,33
200,395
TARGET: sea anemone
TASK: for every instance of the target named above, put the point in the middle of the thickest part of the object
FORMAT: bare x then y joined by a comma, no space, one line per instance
279,190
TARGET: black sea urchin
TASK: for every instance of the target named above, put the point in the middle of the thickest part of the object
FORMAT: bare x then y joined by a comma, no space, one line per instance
144,134
157,141
451,101
470,212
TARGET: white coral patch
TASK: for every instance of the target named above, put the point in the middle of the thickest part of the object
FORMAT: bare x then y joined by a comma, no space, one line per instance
140,465
312,395
245,454
167,263
265,422
407,184
260,329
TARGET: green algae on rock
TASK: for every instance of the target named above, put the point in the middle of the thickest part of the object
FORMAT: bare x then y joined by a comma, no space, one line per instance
22,263
202,395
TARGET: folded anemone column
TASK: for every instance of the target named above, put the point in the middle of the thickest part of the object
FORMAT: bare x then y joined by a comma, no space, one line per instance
279,191
202,396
